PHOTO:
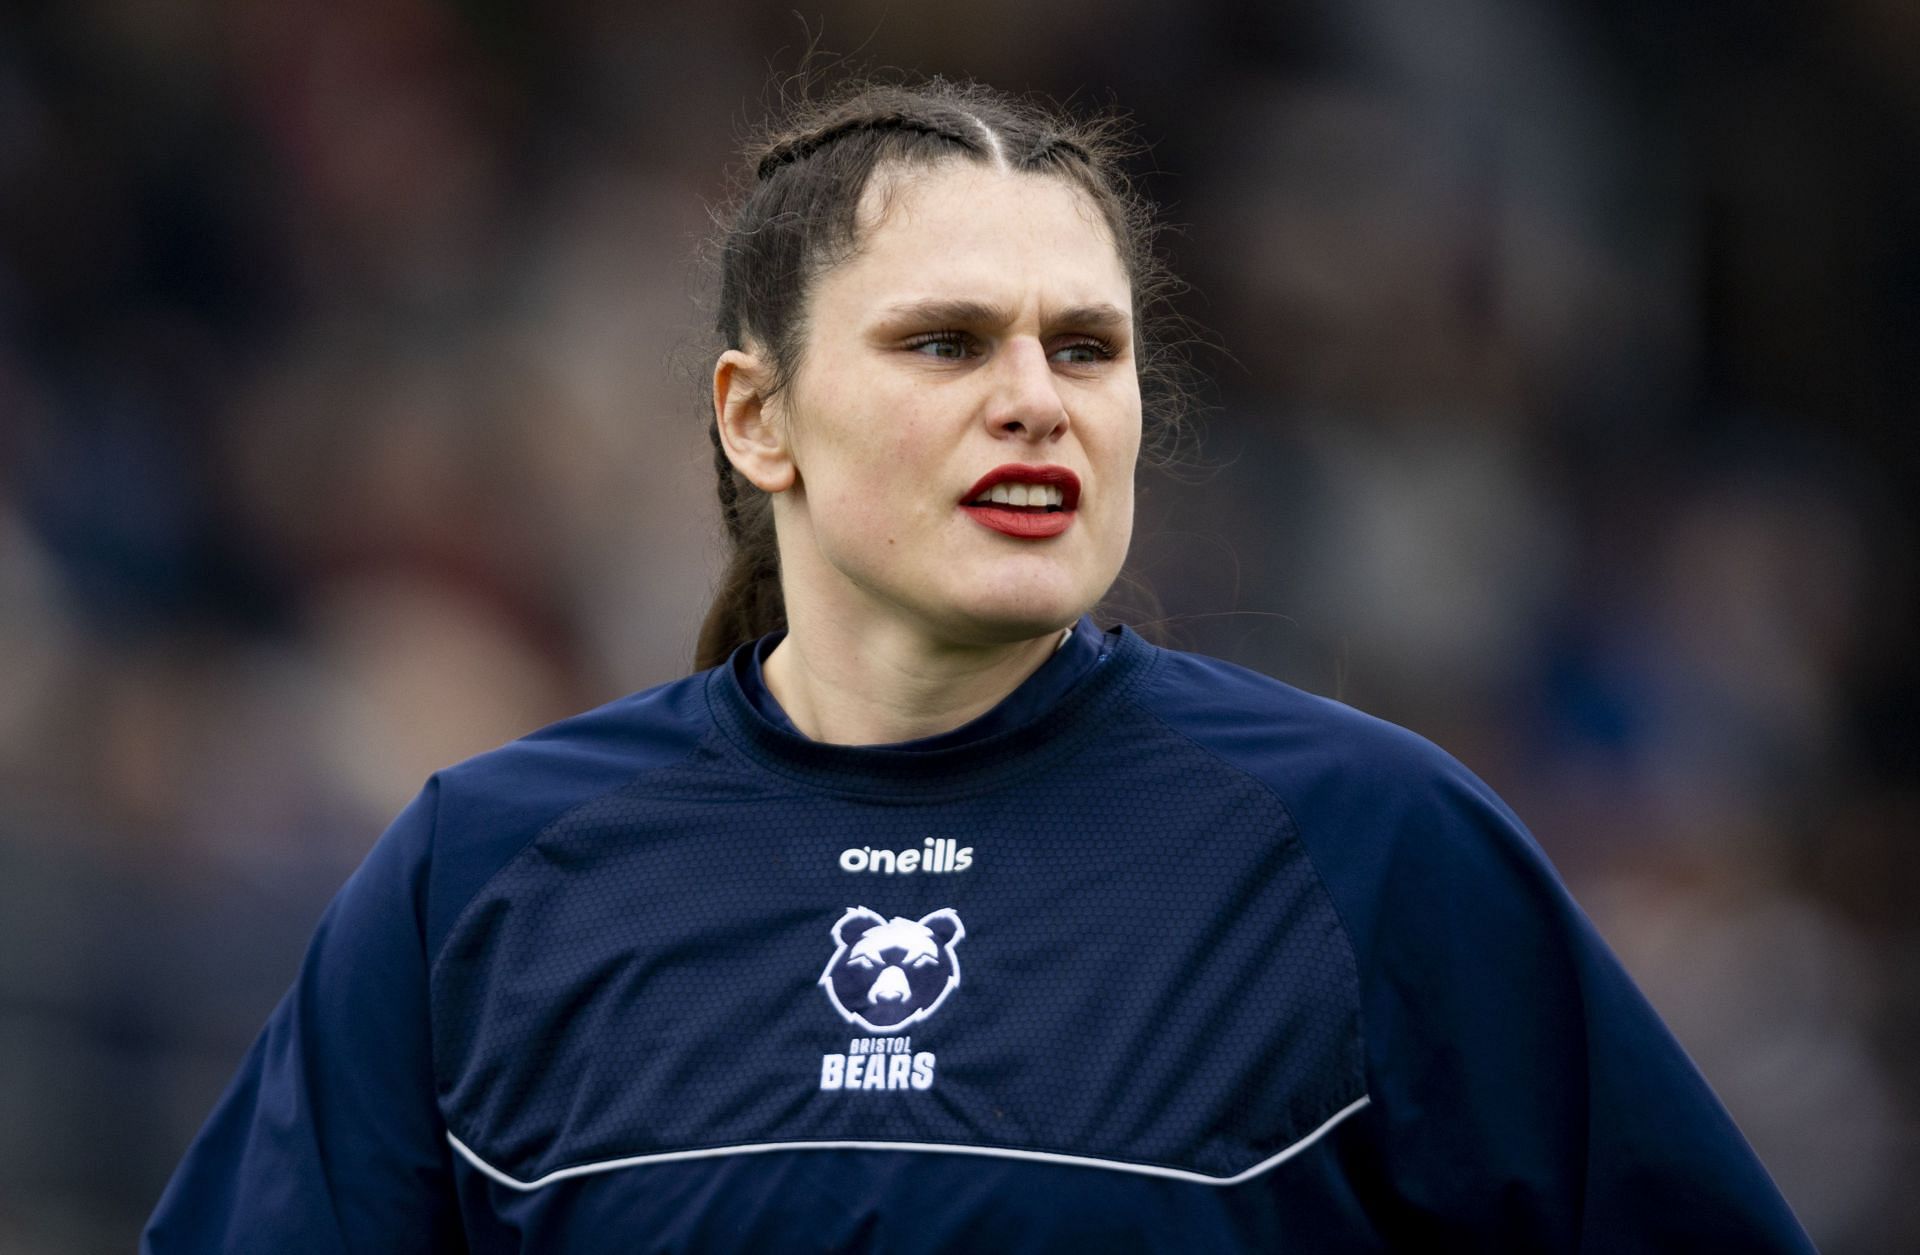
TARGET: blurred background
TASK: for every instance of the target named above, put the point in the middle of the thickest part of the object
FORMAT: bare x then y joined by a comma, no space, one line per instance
1562,410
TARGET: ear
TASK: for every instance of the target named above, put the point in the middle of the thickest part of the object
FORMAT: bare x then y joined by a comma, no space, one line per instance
855,924
944,925
751,429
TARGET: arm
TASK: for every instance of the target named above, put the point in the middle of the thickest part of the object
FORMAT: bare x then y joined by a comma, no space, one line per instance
1528,1095
329,1139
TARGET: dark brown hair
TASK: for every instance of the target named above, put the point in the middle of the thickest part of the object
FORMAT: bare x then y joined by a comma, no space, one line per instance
797,218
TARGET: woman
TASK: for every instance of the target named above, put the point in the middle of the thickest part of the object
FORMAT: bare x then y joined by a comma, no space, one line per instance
930,916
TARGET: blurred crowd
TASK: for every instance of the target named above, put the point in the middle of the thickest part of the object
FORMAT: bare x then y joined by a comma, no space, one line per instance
1560,382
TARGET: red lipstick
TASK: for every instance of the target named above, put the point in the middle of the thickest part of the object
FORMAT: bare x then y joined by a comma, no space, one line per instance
1024,522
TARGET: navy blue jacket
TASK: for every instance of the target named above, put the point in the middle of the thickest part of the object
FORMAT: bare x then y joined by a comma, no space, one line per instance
1160,954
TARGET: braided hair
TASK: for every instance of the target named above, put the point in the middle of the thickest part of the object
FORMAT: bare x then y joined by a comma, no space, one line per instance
798,218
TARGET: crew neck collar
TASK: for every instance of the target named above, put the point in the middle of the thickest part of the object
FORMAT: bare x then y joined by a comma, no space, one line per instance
1038,720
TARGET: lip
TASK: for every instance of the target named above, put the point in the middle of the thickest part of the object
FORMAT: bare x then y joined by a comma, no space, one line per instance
1018,523
1021,473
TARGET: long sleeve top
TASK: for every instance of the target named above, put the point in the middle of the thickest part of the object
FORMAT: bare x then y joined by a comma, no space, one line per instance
1158,955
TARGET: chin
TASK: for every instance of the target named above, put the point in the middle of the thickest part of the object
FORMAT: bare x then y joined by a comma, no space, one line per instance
1011,617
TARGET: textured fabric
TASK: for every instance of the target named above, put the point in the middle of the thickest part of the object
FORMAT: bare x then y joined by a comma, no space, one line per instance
1158,955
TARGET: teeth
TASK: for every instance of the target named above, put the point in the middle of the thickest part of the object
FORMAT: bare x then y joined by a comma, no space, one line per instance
1041,495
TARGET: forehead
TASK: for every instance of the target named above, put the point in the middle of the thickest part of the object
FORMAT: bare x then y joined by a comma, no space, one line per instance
971,232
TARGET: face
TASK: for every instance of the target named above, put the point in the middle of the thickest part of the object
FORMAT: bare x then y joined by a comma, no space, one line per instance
978,346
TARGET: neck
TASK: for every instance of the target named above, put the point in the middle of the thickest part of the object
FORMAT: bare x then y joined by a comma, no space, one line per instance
885,684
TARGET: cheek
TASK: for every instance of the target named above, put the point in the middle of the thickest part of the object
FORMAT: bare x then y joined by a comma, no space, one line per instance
875,480
1117,461
1115,533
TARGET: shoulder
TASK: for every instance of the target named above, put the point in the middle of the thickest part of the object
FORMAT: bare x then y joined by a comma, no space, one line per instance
1292,740
551,769
1378,807
473,818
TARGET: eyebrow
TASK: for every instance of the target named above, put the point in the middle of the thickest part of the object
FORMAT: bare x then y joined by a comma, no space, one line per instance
962,313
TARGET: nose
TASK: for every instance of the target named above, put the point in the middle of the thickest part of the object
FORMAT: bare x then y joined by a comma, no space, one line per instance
1025,401
891,987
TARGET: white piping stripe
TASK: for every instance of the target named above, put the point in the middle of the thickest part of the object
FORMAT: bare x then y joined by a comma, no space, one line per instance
937,1148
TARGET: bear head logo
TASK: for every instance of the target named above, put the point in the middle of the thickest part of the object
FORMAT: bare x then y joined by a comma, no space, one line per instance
889,973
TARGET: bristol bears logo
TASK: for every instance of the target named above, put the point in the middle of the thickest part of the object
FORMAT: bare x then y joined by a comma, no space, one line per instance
889,973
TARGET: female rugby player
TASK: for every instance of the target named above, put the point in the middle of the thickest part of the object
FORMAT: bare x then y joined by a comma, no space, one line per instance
929,916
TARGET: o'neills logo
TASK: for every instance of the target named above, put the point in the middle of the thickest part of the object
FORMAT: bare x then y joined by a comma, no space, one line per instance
936,854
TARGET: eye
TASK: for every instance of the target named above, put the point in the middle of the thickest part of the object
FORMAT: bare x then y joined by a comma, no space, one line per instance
1085,352
947,345
862,962
925,960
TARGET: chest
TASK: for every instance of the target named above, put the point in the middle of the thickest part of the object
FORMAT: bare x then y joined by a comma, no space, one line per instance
1143,974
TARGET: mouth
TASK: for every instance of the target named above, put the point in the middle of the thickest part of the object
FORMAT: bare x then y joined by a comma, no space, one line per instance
1025,502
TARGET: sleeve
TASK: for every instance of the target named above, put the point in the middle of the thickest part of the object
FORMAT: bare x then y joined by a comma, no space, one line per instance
329,1140
1529,1097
